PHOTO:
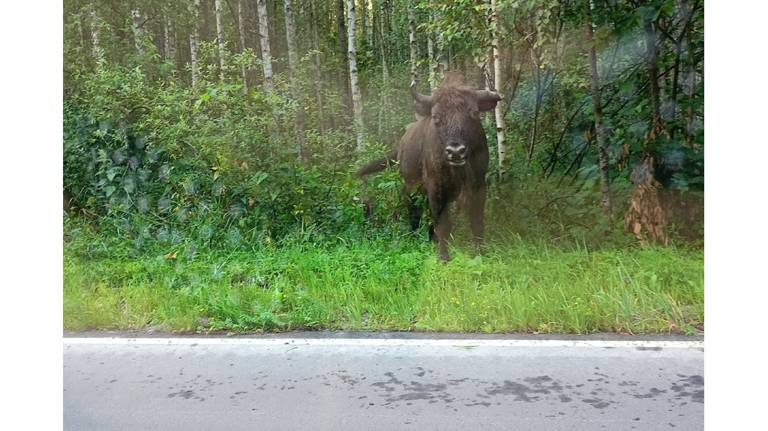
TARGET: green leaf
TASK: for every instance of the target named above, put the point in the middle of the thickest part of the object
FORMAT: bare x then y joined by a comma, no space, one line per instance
111,173
129,185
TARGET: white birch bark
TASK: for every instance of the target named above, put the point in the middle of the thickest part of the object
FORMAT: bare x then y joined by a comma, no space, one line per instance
442,59
412,42
220,40
266,56
497,83
602,145
432,65
98,53
138,31
193,38
241,33
383,44
357,102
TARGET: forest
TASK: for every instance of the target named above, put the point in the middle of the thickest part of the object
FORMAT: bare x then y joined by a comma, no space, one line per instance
210,148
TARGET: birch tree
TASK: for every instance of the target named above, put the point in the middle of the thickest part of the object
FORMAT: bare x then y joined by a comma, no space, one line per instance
435,48
293,68
138,30
220,40
341,28
442,58
602,145
497,84
412,42
357,101
194,36
98,53
266,56
431,64
383,44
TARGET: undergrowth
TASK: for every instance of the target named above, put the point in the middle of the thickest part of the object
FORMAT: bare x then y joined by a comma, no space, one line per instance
381,282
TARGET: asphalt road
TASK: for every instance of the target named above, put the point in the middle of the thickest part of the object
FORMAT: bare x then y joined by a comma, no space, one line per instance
381,384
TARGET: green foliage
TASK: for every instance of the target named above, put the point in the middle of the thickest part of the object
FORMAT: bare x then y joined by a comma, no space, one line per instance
385,285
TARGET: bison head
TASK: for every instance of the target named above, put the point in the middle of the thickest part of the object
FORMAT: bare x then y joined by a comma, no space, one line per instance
454,111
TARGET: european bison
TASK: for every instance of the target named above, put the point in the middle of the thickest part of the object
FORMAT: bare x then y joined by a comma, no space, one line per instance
445,156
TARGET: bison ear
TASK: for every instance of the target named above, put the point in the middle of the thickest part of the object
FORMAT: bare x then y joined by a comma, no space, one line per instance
487,100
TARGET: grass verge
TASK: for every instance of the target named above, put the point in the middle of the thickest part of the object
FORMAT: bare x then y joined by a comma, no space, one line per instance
385,285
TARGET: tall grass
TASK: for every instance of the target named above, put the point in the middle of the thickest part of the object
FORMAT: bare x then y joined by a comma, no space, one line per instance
385,284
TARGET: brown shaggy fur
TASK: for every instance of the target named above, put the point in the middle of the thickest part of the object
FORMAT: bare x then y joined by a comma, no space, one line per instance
448,118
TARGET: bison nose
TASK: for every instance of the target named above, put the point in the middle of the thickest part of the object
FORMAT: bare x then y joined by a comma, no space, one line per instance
457,151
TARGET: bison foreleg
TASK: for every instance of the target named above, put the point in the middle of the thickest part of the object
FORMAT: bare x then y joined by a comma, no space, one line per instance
442,221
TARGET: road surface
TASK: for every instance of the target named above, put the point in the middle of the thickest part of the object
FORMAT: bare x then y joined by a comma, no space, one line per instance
274,383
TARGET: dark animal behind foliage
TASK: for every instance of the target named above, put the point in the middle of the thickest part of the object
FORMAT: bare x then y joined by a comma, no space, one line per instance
444,155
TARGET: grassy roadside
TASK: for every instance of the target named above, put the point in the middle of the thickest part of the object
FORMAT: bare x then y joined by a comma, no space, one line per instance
386,285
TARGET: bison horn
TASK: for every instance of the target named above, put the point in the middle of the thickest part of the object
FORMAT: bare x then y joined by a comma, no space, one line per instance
487,100
418,96
487,95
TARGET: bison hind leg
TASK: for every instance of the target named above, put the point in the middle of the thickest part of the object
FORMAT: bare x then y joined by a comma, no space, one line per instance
414,212
415,204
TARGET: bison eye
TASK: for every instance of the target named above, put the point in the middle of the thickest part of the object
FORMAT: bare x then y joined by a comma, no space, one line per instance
475,113
436,120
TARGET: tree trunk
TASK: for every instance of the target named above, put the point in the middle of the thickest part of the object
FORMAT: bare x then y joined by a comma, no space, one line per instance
652,55
431,60
266,57
169,45
690,88
357,101
383,43
293,67
98,53
370,29
412,42
344,83
317,68
381,32
138,31
537,105
206,9
602,144
241,34
363,13
442,59
80,31
220,40
194,37
497,83
646,216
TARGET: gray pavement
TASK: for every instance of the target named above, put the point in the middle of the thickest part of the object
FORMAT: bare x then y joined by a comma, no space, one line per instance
381,384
